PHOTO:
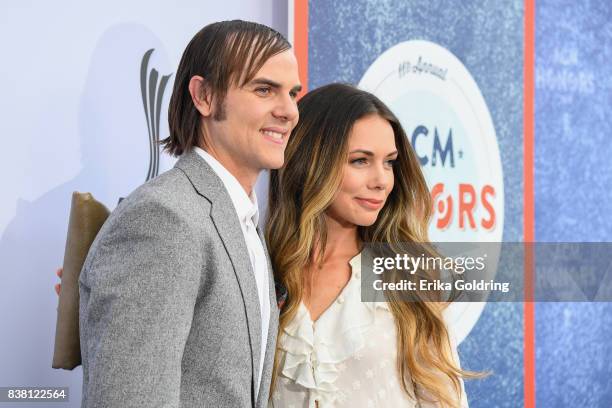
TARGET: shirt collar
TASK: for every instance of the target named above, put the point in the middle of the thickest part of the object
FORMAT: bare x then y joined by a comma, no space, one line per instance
246,207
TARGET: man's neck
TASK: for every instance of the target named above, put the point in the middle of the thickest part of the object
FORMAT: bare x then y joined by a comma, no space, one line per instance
246,177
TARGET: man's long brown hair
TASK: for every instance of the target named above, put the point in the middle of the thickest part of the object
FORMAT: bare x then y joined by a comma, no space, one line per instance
302,191
225,53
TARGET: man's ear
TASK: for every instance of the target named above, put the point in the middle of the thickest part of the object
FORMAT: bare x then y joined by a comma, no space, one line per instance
201,95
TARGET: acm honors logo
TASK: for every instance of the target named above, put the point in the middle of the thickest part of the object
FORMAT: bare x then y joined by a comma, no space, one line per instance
152,88
449,204
449,126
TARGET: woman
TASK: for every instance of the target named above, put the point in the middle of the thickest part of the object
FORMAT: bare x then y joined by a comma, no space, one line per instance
350,177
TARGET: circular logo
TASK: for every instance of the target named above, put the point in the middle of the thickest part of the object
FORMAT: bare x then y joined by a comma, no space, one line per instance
450,128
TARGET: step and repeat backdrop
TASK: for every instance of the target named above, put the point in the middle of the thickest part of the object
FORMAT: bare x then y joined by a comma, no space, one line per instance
454,77
573,183
453,73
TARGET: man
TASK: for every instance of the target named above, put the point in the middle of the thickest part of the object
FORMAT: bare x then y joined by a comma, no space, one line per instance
177,304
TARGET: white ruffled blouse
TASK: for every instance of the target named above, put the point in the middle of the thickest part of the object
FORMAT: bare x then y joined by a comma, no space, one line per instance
347,358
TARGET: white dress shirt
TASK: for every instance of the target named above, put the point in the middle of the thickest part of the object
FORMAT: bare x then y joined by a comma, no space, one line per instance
248,214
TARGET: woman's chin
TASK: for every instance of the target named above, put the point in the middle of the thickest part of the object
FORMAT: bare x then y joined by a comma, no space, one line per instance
366,221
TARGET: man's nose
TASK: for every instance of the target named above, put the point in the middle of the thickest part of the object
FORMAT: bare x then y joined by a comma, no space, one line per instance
286,109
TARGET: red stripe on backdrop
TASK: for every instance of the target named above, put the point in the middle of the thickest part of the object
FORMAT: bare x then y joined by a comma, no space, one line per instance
529,204
300,41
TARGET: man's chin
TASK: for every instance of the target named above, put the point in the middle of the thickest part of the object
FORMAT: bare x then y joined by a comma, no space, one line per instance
274,164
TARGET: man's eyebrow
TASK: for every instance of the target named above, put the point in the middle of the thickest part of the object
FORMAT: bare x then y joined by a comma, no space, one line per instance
273,84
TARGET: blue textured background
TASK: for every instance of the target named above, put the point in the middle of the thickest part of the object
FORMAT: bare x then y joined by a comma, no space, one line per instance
346,36
572,192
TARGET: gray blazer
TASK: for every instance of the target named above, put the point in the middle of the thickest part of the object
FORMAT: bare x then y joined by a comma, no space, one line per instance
169,311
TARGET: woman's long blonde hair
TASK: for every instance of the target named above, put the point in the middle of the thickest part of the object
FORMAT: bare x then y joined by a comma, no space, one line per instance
305,187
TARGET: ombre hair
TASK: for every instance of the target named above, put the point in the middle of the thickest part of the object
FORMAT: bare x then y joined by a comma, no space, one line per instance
302,191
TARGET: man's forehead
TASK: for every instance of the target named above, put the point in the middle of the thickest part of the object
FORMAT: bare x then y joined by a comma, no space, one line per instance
280,68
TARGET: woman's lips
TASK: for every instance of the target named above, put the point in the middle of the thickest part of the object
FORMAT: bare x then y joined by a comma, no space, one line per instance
369,203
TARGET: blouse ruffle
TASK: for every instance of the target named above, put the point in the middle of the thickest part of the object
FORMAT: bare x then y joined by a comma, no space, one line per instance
312,360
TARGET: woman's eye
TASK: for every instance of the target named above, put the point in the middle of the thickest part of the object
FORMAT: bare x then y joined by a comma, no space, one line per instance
391,163
359,161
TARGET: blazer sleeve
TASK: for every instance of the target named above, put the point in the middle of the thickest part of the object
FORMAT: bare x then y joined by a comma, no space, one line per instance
138,291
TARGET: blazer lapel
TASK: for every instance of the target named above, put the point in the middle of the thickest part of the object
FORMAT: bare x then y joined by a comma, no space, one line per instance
224,216
272,331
